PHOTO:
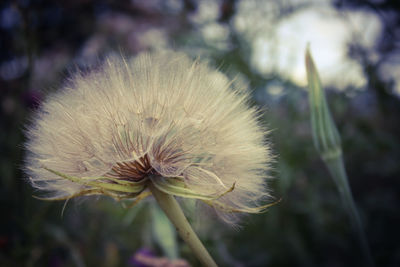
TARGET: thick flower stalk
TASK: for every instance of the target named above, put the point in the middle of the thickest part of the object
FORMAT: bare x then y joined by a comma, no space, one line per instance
159,122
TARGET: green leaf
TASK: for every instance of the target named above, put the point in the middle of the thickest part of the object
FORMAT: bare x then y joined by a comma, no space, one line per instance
164,232
131,214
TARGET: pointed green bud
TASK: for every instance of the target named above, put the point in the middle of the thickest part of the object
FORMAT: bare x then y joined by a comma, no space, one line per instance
325,134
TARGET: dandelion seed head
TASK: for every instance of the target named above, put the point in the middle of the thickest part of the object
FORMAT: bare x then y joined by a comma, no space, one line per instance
157,114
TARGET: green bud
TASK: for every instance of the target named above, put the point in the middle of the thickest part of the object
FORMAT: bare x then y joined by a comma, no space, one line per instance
325,134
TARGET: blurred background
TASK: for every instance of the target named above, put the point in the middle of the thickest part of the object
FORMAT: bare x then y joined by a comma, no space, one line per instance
356,47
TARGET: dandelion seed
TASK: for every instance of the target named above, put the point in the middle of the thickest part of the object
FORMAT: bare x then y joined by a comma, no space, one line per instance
158,119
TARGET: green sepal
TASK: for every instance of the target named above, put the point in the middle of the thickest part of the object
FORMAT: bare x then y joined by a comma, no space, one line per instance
177,187
226,208
122,186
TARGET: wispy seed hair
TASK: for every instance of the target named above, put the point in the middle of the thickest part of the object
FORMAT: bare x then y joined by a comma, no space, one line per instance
163,112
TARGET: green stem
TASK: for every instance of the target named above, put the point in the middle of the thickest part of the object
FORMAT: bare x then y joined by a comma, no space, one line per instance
338,172
174,213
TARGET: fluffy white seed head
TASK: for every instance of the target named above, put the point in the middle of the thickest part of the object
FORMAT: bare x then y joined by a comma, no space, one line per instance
159,114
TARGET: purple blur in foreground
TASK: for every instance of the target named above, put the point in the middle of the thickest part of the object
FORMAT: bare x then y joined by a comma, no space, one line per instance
146,258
